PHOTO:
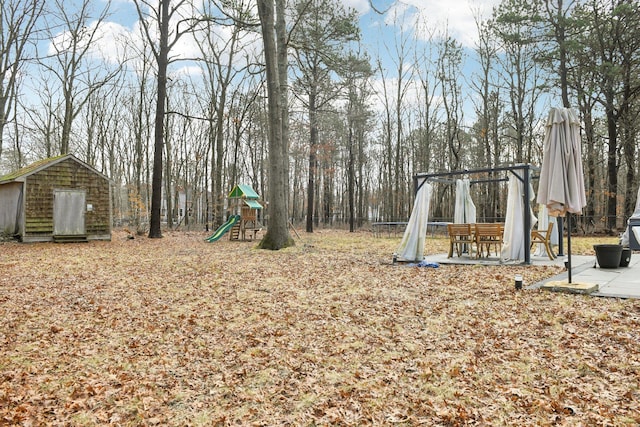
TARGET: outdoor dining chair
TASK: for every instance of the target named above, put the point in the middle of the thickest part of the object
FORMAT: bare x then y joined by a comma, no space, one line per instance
487,235
460,237
543,237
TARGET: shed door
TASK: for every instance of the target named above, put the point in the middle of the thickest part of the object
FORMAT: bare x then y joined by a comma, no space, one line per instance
68,212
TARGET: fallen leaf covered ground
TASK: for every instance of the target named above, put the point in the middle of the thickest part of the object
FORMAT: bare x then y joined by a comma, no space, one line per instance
177,331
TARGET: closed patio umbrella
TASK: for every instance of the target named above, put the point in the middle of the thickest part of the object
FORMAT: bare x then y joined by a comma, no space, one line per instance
561,185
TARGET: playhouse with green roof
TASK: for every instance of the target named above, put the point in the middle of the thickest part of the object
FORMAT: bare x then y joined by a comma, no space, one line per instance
248,207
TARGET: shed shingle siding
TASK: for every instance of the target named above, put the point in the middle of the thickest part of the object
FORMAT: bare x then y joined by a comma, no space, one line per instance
60,195
40,187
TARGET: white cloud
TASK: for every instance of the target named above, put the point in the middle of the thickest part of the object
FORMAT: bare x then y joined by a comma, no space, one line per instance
402,15
105,41
413,97
186,71
110,39
123,36
362,6
453,15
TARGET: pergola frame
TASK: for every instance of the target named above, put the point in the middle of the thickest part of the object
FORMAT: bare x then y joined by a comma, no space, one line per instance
420,178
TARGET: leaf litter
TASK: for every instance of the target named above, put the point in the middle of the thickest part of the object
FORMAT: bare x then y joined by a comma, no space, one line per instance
176,331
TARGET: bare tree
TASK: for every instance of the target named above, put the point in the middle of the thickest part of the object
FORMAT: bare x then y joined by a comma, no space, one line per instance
488,111
608,37
423,138
521,75
140,108
155,21
76,71
17,20
220,53
43,119
323,31
358,71
396,85
273,28
449,66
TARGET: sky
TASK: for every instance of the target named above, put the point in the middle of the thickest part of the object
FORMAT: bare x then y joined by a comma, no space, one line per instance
421,20
454,16
380,31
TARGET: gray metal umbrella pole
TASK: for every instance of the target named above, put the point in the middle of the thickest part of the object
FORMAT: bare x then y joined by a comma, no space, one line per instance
569,248
560,236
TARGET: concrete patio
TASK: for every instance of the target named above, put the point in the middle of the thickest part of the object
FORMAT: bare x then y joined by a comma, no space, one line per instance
622,282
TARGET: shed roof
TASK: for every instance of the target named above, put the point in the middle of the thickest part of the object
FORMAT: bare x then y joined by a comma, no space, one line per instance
243,191
21,174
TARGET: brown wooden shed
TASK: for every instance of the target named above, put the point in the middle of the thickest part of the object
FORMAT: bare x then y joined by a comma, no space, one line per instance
56,199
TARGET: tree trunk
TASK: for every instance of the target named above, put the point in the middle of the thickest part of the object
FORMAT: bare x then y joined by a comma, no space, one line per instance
612,172
313,159
630,152
218,195
351,179
589,134
167,184
156,197
561,39
277,235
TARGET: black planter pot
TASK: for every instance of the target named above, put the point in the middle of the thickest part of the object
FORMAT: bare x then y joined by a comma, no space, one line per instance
625,259
608,256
